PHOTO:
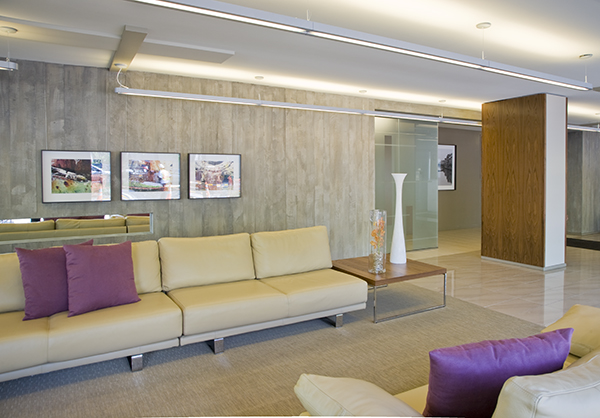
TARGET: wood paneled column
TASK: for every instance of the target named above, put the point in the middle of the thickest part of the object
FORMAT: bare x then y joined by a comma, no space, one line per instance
523,163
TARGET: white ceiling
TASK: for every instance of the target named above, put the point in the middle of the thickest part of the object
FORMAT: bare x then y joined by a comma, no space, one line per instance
541,35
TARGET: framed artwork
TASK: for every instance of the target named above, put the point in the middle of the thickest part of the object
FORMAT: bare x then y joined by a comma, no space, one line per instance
75,176
446,167
214,176
150,176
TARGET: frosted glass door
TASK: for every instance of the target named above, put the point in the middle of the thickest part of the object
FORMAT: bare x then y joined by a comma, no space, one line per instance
410,147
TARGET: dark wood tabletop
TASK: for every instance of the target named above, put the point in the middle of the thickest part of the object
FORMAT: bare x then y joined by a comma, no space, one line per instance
358,266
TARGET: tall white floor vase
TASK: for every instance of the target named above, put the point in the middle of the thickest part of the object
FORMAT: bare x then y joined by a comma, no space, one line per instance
398,251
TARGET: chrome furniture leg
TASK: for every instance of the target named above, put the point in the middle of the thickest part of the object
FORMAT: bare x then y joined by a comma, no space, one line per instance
337,320
136,362
217,345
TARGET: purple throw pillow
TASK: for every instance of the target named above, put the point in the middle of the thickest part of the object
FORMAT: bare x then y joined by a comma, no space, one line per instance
466,380
44,275
99,277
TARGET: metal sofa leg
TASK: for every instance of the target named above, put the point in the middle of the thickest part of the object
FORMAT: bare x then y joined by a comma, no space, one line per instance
337,320
217,345
136,362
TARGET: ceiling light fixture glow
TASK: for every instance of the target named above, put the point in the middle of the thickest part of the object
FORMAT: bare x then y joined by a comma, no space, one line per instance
222,15
388,48
533,78
484,65
583,128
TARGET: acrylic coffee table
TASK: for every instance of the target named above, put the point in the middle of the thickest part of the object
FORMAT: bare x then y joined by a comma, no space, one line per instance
394,273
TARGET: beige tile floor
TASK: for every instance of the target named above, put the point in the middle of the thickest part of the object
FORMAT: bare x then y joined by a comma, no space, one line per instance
527,293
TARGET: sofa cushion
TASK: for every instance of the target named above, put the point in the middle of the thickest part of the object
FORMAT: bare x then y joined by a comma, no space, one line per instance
153,319
67,223
228,305
99,277
342,396
572,392
12,296
200,261
585,320
466,380
292,251
319,290
27,227
44,275
146,266
22,344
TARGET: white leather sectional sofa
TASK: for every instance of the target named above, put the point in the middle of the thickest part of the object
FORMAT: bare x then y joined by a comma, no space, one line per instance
191,290
573,391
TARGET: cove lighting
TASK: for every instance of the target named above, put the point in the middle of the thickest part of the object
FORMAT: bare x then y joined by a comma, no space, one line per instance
311,29
286,105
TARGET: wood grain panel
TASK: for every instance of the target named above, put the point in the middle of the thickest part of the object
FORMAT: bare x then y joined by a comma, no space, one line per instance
513,179
299,168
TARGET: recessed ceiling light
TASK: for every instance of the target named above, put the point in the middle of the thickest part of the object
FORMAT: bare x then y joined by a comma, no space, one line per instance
259,77
8,30
483,25
585,56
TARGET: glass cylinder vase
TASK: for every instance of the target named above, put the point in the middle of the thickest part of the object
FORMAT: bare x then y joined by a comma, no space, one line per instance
377,253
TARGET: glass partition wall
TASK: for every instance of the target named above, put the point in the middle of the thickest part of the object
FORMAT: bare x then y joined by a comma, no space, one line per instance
404,146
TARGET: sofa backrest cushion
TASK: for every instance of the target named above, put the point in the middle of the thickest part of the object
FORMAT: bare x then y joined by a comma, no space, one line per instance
146,266
187,262
278,253
29,226
572,392
66,223
12,297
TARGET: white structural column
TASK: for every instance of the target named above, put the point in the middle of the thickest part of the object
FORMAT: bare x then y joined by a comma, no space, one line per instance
556,181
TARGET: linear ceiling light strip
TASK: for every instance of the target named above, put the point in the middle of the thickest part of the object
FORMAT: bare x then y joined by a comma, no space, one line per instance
286,105
583,128
222,15
533,78
354,41
397,50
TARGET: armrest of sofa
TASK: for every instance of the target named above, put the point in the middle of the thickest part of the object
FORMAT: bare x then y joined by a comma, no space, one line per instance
331,396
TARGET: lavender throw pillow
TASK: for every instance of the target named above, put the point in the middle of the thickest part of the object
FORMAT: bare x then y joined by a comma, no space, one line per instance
44,275
466,380
99,277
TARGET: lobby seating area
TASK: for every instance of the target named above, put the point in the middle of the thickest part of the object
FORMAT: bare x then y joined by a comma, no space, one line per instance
132,298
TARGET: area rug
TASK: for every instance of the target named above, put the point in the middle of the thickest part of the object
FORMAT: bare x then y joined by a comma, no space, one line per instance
257,372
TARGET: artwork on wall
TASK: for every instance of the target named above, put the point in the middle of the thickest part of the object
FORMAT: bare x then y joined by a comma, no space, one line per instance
75,176
214,176
446,167
150,176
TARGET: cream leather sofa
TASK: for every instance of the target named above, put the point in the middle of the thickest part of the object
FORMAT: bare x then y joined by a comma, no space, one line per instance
573,391
191,290
213,282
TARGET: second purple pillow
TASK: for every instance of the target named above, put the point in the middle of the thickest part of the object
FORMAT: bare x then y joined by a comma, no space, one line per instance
99,277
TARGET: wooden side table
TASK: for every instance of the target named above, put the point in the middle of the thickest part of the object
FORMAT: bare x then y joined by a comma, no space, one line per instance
394,273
